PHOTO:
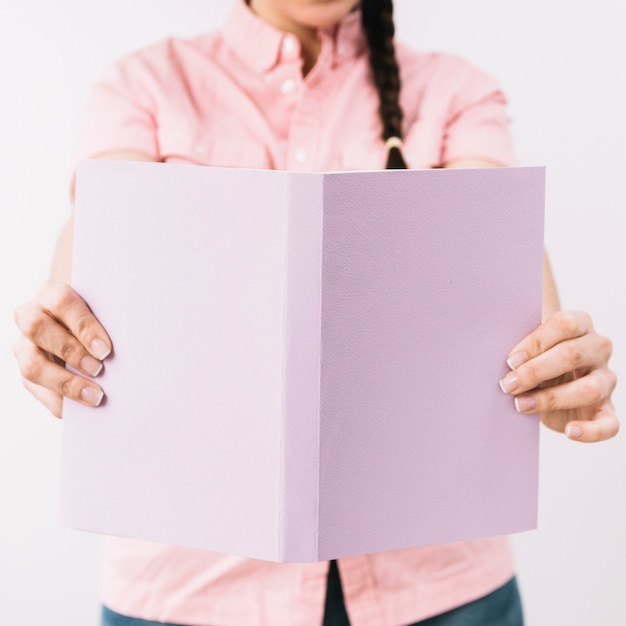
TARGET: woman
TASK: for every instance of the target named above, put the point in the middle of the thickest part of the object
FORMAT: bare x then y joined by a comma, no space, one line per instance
309,85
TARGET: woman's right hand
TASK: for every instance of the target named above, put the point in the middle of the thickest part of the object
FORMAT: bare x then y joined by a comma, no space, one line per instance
57,327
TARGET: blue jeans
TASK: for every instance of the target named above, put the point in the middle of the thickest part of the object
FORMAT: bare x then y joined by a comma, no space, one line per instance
501,608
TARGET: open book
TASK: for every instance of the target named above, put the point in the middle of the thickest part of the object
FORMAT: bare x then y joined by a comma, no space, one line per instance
305,365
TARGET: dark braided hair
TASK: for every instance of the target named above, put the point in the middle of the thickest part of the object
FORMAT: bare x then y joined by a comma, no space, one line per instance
377,19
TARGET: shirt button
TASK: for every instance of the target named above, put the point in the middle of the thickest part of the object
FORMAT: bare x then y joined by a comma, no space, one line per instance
300,155
289,45
288,87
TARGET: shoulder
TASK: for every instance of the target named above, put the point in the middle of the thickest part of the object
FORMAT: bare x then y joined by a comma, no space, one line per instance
445,72
453,109
163,62
442,85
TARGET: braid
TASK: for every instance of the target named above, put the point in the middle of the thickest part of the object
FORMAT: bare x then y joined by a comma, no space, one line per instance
377,19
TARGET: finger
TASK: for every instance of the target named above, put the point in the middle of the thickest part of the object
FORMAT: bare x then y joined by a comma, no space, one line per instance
38,369
559,327
54,339
60,302
591,390
589,351
51,400
604,426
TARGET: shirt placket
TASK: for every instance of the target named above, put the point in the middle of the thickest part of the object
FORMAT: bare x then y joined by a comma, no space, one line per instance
306,127
309,593
302,140
359,592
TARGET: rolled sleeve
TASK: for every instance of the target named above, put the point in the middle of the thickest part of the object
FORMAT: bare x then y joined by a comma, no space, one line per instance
478,126
120,114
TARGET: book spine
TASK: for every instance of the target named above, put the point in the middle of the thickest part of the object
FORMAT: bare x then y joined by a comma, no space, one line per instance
299,488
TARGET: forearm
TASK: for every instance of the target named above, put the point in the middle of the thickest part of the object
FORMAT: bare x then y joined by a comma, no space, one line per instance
551,302
61,268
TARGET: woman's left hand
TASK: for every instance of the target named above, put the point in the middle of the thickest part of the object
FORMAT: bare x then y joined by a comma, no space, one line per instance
561,372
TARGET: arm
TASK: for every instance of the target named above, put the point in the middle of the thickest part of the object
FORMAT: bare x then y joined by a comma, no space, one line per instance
61,268
551,302
561,369
57,327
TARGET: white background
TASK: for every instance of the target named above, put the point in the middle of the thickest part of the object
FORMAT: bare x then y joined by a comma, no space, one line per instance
561,64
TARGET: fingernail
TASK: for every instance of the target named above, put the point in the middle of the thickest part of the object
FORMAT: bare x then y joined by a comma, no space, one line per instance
99,349
509,383
92,396
574,432
525,404
516,359
90,365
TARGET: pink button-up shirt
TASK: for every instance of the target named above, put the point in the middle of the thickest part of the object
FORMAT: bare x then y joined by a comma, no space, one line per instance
237,97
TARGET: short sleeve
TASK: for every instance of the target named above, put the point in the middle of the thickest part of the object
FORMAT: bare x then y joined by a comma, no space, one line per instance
120,113
477,124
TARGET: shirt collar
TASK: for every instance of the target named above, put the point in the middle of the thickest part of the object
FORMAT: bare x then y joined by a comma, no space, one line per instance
260,45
